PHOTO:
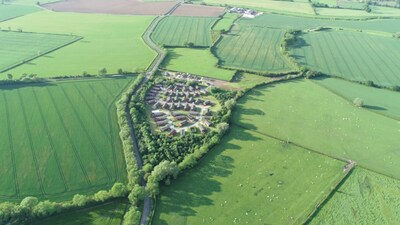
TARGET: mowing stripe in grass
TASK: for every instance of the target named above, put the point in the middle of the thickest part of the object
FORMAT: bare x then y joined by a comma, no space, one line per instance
317,45
274,38
69,138
31,144
14,168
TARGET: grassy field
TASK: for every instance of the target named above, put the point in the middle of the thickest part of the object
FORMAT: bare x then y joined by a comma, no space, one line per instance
248,179
180,30
377,11
60,138
110,41
107,214
343,4
8,11
351,55
378,100
226,22
18,47
293,22
253,49
307,114
196,61
365,198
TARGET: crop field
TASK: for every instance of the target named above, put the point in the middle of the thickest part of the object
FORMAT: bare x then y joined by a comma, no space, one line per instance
377,11
196,61
107,214
109,41
343,4
254,49
351,55
380,101
307,114
198,10
249,179
179,31
365,198
226,22
294,22
18,47
60,139
8,11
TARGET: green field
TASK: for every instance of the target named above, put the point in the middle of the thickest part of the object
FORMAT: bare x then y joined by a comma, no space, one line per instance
107,214
196,61
110,41
378,100
249,179
342,4
253,49
181,30
8,11
226,22
377,11
365,198
18,47
304,113
293,22
351,55
60,138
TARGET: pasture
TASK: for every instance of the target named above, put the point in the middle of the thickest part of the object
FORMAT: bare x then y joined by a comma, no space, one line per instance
351,55
376,11
226,22
196,61
381,101
19,47
295,22
249,179
365,198
180,31
60,138
8,11
252,49
110,213
307,114
110,41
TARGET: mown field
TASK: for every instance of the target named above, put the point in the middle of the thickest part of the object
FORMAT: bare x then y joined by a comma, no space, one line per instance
351,55
249,179
180,30
107,214
110,41
294,22
8,11
377,100
60,138
18,47
365,198
253,49
196,61
307,114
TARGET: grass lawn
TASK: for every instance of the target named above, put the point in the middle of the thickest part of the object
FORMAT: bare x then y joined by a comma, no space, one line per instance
378,100
8,11
365,198
351,55
60,139
305,113
196,61
226,22
181,30
249,179
18,47
253,49
110,41
107,214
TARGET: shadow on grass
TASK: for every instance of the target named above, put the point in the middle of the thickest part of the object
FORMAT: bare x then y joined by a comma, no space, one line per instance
25,85
373,107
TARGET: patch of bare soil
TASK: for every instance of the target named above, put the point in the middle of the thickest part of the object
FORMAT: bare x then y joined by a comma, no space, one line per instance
127,7
198,10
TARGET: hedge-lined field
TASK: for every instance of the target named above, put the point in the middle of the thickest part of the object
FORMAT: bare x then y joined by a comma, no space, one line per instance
255,49
60,139
109,41
378,100
351,55
365,198
181,30
18,47
305,113
226,22
8,11
249,179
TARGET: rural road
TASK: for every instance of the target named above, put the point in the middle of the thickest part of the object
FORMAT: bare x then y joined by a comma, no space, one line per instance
150,71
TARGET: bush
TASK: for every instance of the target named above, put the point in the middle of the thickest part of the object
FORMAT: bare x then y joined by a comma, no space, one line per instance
80,200
358,102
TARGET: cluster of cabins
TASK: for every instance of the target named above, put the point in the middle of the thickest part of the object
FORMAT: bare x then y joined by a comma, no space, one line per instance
187,77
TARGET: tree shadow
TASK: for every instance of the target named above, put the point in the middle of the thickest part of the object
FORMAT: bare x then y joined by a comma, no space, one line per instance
373,107
25,85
